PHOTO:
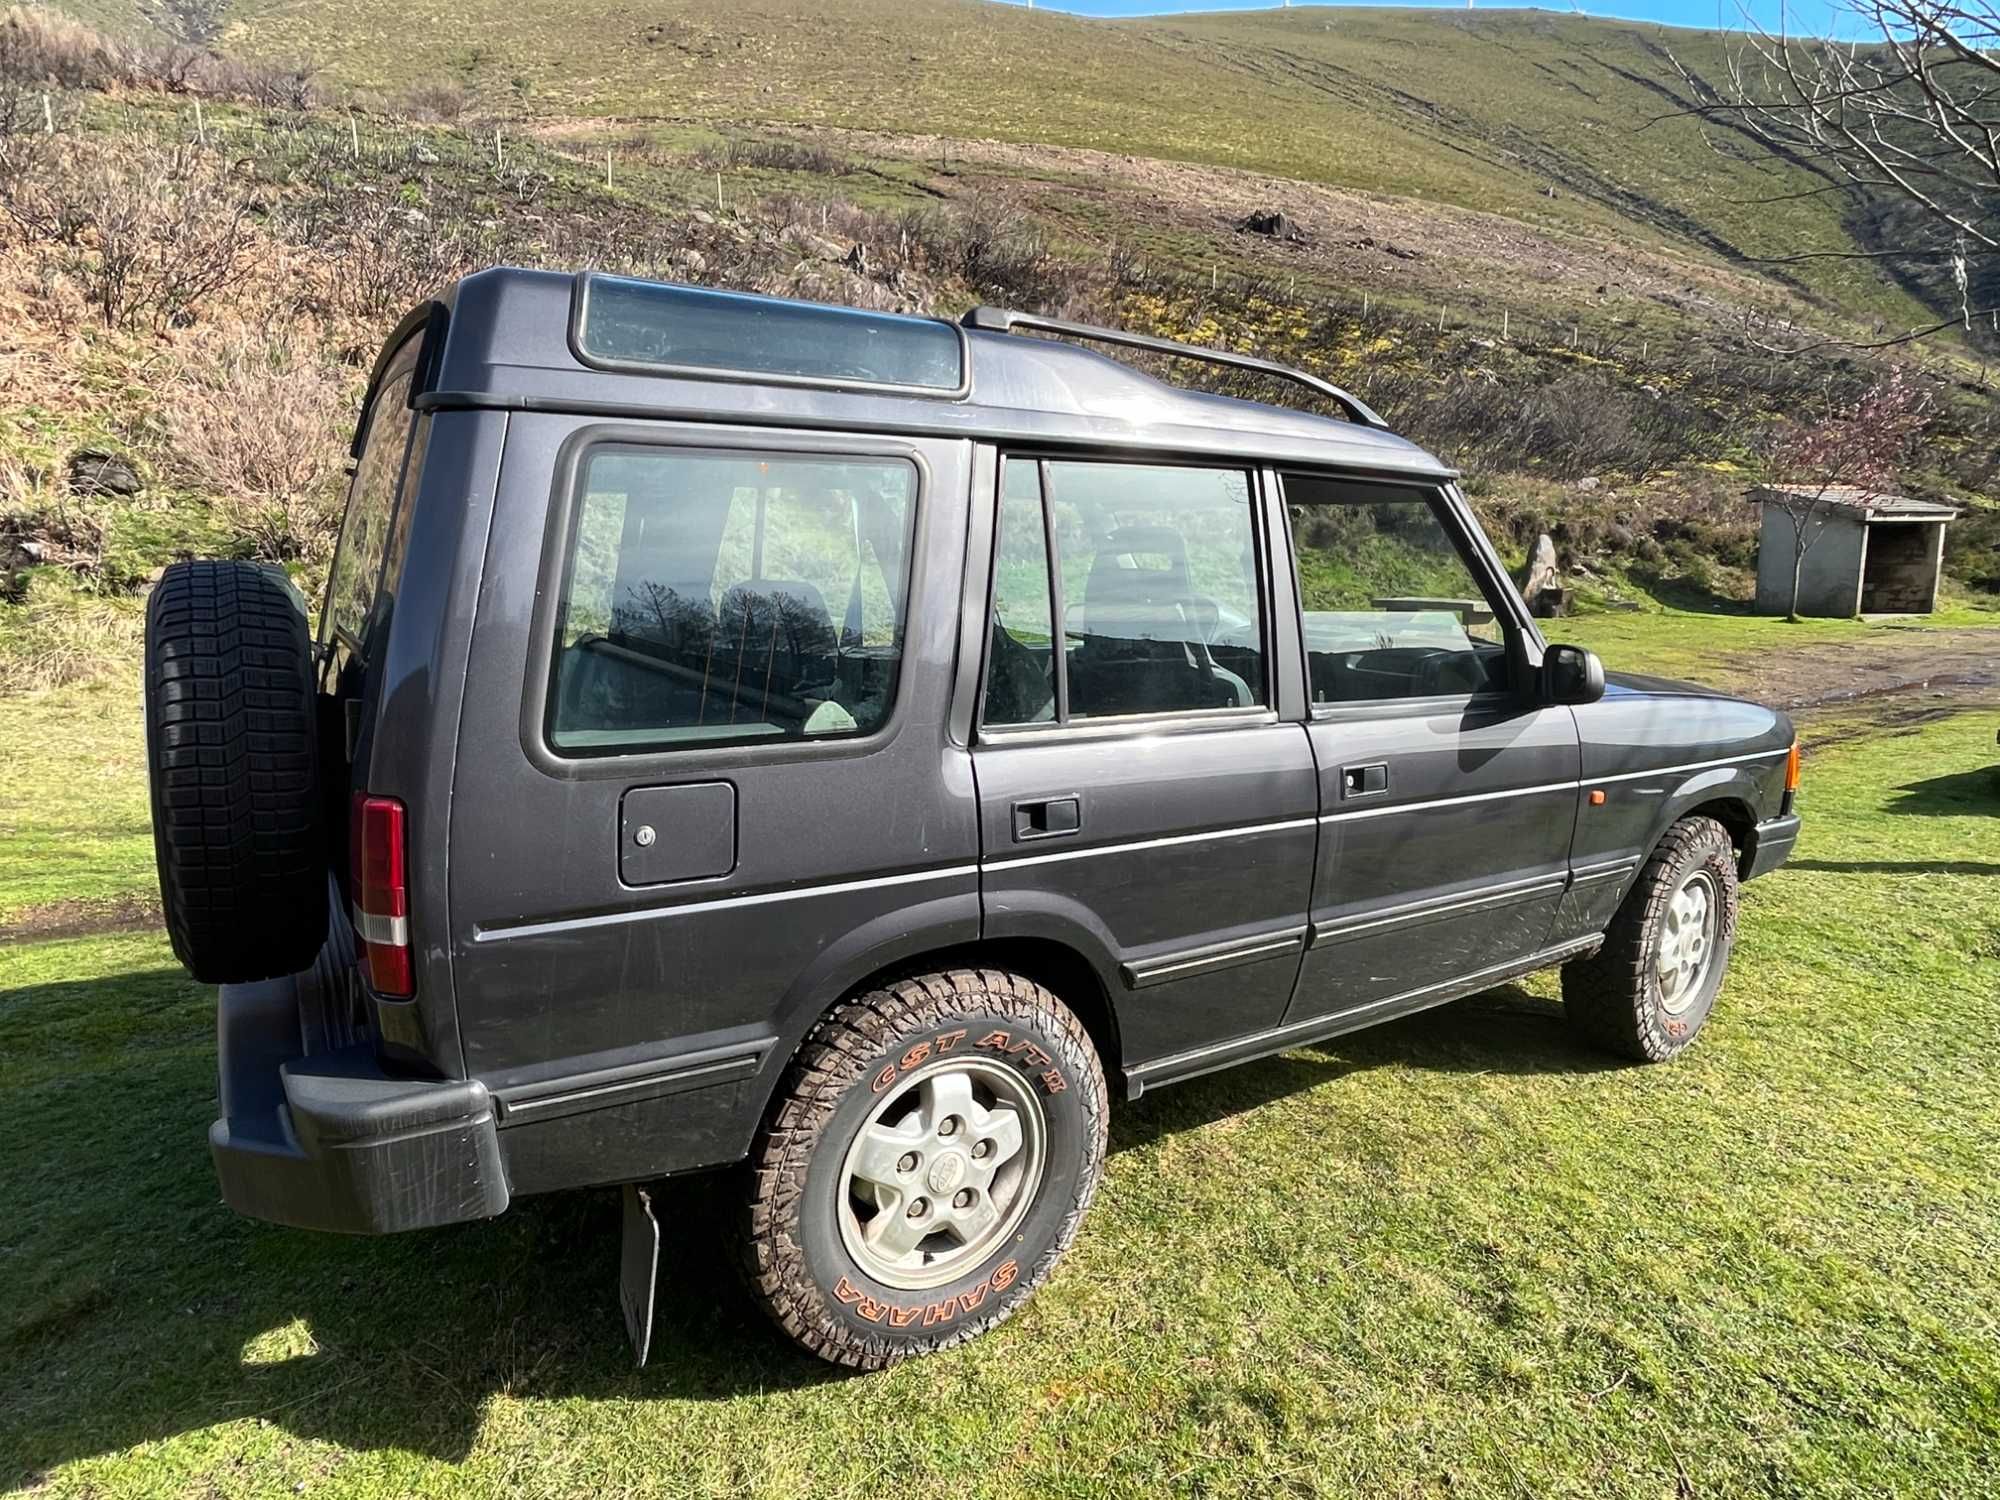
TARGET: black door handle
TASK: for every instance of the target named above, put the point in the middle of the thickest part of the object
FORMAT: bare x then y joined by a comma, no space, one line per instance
1364,781
1047,818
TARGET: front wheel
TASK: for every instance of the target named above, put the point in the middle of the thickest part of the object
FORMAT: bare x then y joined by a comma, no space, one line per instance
1647,991
926,1163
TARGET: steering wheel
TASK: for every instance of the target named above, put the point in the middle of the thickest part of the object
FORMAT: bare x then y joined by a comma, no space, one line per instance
1430,674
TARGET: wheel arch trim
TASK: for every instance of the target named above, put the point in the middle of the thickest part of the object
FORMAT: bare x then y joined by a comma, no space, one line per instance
1067,953
1730,795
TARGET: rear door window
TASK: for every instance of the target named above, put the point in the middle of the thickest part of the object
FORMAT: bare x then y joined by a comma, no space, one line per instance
355,583
715,597
1154,598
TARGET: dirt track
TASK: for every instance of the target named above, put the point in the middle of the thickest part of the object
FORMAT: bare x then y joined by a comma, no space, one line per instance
1960,664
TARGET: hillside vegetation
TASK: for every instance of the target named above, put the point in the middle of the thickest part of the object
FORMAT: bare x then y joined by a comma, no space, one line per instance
1561,122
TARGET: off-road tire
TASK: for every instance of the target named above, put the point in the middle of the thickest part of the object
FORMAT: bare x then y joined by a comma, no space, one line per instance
1613,997
232,756
797,1265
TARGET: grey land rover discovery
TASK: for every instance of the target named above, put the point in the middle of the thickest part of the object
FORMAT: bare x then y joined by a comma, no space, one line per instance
854,749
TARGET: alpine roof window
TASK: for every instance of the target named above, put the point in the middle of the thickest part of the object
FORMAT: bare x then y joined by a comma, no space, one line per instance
626,323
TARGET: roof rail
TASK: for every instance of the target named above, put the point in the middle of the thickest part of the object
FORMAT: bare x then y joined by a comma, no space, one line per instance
1003,320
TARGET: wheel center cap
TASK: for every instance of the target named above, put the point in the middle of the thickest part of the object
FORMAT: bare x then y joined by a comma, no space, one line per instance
947,1171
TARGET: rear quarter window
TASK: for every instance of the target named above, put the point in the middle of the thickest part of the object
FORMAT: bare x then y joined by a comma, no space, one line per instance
729,597
355,582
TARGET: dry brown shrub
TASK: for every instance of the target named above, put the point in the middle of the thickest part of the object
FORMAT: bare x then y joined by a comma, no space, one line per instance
392,256
44,47
780,155
43,524
146,232
274,85
442,100
258,422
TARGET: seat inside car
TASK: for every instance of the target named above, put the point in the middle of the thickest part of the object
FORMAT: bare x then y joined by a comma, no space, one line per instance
1143,628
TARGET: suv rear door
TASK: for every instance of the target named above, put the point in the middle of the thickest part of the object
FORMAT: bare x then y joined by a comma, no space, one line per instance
1447,794
1140,799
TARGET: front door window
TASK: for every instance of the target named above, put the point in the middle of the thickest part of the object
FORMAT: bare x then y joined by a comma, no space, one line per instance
1392,610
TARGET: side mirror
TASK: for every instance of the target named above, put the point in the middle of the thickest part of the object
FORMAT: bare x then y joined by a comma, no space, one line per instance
1571,674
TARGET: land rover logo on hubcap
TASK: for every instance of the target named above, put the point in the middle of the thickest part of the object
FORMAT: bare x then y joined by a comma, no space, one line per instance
947,1172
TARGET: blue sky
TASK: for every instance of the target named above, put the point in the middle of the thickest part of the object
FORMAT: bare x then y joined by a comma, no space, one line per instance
1806,15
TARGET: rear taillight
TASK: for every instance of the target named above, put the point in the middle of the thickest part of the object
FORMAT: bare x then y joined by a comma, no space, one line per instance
382,895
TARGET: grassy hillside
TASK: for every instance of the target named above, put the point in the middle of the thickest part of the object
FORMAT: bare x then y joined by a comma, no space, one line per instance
1554,121
1562,122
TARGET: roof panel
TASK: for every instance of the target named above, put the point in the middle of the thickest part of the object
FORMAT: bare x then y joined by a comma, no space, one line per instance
509,344
1853,497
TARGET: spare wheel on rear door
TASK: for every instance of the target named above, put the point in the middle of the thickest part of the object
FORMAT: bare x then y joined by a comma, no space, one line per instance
232,755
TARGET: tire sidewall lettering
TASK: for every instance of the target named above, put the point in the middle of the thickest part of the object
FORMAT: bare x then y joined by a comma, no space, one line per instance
929,1314
1012,1044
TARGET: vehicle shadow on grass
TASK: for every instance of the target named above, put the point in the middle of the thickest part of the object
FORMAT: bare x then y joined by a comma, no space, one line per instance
147,1310
1954,795
1505,1031
377,1344
137,1307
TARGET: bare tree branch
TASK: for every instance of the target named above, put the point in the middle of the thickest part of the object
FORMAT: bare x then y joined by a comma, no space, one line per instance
1914,335
1910,116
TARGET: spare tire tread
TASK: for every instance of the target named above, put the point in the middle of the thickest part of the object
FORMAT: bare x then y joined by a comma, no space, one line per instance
232,746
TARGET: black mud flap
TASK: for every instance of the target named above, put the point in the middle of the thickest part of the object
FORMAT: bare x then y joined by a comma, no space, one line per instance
639,1269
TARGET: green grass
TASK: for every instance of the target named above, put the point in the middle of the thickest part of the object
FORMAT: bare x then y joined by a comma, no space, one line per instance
75,831
1455,1254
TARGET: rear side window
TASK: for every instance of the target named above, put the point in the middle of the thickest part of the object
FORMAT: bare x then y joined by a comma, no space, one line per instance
365,533
1147,576
714,597
1020,657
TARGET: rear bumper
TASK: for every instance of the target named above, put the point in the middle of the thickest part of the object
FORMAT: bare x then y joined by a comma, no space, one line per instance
331,1141
1769,845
